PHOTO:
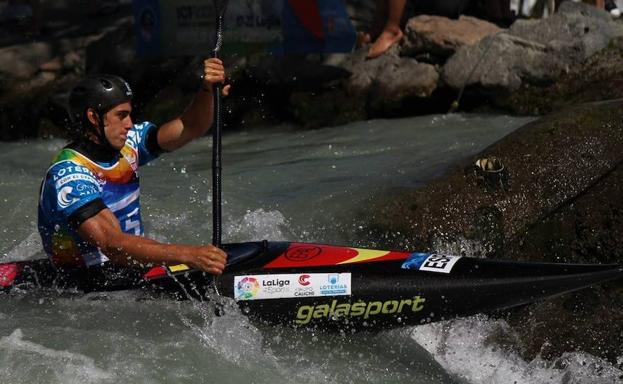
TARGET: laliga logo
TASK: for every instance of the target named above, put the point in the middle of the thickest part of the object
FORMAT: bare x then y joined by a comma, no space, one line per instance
247,288
304,280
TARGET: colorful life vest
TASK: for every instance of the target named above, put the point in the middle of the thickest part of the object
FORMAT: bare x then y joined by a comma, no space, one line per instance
73,180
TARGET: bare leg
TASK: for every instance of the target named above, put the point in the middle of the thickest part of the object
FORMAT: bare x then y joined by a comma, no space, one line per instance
391,33
376,26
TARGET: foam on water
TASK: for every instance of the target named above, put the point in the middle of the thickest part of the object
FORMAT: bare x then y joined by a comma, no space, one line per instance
465,348
45,364
229,333
25,250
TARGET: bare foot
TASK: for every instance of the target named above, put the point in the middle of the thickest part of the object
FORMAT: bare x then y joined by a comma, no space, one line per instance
384,42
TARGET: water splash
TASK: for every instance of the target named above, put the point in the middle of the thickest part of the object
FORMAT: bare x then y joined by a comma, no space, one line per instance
465,347
226,332
229,334
259,225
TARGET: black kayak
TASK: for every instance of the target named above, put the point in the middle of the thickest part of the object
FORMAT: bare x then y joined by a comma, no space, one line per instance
324,286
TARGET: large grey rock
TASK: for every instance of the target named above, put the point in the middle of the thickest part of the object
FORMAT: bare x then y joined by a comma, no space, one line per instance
533,52
599,78
441,36
504,62
576,31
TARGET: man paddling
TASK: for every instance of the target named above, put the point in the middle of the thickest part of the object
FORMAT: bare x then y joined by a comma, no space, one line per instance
89,212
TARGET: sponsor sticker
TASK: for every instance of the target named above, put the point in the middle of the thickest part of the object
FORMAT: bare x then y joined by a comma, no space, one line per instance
246,288
362,309
178,268
431,262
303,253
69,170
65,198
75,177
293,285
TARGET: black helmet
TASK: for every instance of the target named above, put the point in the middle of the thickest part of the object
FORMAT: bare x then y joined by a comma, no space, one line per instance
99,92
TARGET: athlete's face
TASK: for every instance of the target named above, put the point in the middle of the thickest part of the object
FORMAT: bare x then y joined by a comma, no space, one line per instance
117,124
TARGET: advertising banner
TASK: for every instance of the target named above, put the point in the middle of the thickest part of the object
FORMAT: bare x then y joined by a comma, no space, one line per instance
186,27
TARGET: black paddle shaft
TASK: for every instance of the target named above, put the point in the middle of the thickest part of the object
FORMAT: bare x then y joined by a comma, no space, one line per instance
216,133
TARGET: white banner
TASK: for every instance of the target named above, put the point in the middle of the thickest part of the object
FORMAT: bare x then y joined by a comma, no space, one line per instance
296,285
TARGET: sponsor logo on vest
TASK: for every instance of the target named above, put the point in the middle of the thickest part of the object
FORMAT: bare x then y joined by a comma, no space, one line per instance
362,309
64,199
70,169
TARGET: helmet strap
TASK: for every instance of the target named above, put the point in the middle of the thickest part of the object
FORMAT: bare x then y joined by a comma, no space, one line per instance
98,131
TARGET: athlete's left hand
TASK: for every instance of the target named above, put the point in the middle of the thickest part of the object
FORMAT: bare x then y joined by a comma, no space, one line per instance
213,73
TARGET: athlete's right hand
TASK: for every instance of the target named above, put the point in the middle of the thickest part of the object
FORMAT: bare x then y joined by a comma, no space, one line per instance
208,258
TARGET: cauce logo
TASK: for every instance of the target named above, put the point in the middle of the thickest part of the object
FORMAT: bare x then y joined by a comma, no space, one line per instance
304,280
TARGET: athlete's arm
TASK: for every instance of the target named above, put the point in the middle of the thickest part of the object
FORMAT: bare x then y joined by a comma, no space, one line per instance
104,231
197,119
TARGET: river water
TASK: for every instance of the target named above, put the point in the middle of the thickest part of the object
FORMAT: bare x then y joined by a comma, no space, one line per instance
278,184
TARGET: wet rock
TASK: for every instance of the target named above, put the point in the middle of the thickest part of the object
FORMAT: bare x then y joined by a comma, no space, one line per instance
561,204
440,37
587,229
550,163
589,320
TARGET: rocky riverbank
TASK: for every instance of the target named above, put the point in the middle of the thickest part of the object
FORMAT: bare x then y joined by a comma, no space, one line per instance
553,195
442,64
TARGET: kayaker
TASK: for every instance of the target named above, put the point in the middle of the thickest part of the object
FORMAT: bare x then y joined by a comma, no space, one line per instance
89,211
